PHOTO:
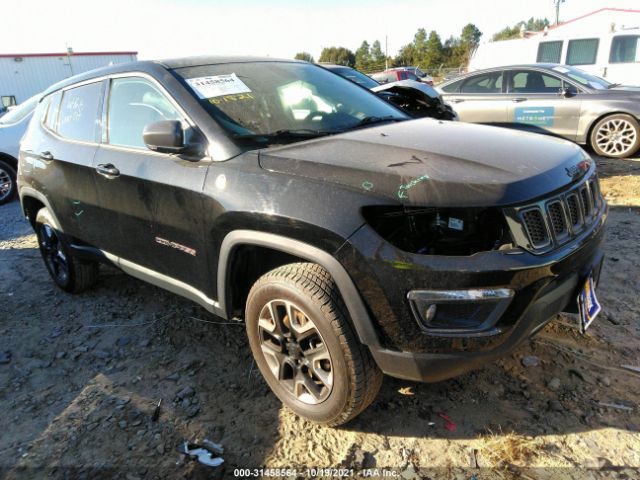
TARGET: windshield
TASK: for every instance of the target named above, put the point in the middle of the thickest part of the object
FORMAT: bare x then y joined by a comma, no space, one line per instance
583,78
355,76
262,99
18,113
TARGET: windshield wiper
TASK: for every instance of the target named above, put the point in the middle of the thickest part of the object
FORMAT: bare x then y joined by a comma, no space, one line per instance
285,134
613,85
372,120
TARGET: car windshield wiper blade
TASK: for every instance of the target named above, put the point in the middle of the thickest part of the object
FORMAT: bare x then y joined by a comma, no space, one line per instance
372,120
613,85
285,134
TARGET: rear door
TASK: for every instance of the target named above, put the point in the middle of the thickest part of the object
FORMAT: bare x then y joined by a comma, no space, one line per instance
537,103
64,153
151,202
480,99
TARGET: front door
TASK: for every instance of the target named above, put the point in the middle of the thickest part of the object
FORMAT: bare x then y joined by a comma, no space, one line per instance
538,103
151,202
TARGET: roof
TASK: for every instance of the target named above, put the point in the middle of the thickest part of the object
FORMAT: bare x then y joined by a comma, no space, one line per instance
605,9
543,66
157,66
333,65
64,54
218,59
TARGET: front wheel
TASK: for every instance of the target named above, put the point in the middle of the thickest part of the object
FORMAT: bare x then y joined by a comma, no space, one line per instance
305,346
68,272
616,136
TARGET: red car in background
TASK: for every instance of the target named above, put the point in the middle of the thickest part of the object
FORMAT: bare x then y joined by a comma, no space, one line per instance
403,73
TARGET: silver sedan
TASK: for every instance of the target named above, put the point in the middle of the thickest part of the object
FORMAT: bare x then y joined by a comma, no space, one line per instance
554,99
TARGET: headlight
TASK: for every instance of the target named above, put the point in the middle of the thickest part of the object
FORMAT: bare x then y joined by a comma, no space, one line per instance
441,231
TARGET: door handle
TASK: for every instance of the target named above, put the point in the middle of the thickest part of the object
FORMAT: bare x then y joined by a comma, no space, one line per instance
46,155
518,100
107,170
456,100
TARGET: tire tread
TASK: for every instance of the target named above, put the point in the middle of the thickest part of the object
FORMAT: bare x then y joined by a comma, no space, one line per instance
364,375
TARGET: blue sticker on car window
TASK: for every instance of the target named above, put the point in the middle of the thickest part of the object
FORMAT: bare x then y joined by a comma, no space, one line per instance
539,116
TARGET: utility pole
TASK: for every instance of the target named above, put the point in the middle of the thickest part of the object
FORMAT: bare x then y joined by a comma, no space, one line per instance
386,53
69,54
557,3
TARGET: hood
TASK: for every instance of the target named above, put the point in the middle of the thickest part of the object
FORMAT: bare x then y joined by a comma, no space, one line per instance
429,162
428,90
622,89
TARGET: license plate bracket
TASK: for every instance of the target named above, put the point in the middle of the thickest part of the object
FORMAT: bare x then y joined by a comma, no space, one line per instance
588,304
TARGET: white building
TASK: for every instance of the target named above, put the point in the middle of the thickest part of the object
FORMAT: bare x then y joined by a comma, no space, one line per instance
24,75
605,43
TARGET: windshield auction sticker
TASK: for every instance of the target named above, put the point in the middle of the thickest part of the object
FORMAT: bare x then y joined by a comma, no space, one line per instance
218,85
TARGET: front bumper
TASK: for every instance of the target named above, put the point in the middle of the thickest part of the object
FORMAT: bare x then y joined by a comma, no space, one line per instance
544,285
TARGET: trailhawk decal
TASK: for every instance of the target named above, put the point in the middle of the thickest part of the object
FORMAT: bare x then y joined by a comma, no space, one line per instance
177,246
539,116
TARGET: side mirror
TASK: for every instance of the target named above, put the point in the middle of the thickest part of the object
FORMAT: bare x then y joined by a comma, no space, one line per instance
564,92
166,136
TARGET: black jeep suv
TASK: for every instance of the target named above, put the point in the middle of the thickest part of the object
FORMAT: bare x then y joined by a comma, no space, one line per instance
352,240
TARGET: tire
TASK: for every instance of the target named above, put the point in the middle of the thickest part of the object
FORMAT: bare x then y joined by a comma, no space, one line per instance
8,188
67,271
327,352
616,136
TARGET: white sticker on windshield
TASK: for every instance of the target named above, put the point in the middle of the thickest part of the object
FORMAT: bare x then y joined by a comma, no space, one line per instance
217,85
561,69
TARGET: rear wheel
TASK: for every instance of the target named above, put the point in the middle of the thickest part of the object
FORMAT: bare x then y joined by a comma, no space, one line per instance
68,272
7,182
305,346
616,136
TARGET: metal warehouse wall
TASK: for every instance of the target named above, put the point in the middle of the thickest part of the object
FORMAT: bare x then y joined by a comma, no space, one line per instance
25,76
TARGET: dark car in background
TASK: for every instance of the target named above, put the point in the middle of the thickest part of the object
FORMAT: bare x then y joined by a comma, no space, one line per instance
415,98
352,240
554,99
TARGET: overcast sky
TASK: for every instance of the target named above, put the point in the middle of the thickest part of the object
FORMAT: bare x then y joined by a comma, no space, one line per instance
278,28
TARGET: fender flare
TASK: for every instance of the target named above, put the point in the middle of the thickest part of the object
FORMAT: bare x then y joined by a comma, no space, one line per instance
31,192
352,299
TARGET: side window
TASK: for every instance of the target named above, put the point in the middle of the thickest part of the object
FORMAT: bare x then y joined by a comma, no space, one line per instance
78,116
582,52
625,49
51,120
487,83
452,87
9,101
529,81
549,52
403,75
134,103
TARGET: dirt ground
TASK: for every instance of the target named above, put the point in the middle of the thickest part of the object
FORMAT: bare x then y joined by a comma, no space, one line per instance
85,373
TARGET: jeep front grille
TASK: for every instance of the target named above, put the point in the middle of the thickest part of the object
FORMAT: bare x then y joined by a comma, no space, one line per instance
557,217
553,221
573,205
536,228
586,201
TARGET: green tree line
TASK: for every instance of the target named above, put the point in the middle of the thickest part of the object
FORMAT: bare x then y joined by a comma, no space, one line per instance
531,25
427,50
